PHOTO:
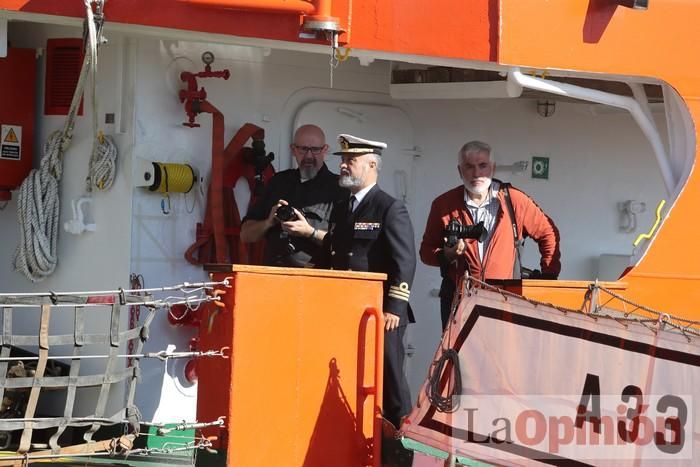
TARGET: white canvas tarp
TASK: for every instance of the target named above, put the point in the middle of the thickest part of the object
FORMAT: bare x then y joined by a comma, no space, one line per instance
541,385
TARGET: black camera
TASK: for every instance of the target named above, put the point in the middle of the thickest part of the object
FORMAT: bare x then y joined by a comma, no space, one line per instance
456,230
285,213
256,155
526,273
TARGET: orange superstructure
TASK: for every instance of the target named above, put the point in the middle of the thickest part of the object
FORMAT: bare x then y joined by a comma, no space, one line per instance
444,28
602,37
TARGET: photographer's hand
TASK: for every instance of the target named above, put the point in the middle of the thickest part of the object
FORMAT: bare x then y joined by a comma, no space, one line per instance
272,217
300,227
455,251
254,230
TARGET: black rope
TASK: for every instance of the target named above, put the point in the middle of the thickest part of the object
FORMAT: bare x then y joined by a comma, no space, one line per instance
444,404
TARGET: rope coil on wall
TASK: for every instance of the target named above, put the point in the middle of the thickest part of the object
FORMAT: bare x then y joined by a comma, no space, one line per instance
38,205
103,163
103,160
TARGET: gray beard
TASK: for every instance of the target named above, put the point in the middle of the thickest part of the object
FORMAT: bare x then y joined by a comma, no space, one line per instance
307,173
348,181
481,191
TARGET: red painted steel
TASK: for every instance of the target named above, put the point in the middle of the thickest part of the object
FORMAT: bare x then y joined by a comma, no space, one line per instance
17,104
64,62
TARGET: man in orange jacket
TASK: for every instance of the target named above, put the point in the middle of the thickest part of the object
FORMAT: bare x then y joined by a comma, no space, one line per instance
483,199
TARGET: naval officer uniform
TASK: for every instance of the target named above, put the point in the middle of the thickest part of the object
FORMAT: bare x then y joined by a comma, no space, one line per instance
374,234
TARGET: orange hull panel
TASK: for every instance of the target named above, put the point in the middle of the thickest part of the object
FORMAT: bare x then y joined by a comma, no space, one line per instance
299,388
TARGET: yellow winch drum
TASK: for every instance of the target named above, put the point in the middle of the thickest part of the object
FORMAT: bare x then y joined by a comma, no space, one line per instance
172,178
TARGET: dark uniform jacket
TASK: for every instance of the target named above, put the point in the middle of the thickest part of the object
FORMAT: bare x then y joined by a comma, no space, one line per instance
376,237
314,198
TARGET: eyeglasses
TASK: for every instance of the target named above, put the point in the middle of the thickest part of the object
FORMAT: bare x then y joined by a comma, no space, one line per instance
315,150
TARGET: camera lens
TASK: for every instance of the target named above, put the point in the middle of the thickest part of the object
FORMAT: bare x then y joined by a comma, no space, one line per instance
455,230
285,213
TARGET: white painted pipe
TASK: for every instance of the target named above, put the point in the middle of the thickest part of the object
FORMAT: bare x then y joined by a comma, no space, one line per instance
593,95
640,96
513,87
3,37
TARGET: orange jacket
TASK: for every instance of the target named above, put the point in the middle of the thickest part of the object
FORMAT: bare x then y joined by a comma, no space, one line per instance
500,255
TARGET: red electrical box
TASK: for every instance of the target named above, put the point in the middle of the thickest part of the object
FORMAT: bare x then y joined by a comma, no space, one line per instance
17,111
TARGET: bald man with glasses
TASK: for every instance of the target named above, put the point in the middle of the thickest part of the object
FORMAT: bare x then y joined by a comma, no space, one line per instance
310,190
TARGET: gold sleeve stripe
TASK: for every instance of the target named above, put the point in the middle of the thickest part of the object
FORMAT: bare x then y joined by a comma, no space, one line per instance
400,292
402,287
398,296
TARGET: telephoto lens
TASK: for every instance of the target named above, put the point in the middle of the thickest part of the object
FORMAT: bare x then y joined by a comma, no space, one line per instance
455,230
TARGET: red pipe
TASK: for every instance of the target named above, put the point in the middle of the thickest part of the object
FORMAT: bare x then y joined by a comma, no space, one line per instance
216,197
276,6
376,389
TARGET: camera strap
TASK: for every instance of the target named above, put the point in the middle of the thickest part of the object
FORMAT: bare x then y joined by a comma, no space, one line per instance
517,265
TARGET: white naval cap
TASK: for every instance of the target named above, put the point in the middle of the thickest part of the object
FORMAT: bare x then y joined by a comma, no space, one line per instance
352,145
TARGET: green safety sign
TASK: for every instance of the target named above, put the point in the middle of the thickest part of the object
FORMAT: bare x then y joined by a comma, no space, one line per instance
540,167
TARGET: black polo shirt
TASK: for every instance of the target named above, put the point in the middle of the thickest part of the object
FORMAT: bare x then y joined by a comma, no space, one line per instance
314,198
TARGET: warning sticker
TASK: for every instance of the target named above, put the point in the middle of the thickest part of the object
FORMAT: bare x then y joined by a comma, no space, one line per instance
11,142
11,137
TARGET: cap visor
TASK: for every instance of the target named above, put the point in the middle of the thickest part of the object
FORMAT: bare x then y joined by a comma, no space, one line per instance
357,152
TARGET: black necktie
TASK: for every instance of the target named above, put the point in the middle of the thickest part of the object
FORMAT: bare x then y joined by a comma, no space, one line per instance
351,204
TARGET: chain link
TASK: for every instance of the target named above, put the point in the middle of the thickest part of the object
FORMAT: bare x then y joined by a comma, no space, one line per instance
333,61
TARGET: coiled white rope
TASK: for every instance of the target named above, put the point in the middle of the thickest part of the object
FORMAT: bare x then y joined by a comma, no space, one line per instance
38,212
38,206
103,164
103,161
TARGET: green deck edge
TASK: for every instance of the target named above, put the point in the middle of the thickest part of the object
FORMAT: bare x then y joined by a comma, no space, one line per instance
153,440
414,445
